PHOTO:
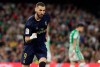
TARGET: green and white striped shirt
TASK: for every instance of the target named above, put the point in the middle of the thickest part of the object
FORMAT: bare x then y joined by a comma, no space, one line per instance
74,35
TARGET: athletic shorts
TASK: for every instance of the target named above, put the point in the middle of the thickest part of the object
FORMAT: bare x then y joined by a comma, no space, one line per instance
77,55
31,49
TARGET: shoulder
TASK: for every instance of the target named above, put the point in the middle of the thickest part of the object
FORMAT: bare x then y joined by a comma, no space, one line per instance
46,14
76,33
73,32
47,17
28,21
30,17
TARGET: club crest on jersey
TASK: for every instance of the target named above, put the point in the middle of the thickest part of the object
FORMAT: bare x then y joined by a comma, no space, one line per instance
26,31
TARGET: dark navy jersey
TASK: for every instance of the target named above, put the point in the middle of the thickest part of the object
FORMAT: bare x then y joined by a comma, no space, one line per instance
38,27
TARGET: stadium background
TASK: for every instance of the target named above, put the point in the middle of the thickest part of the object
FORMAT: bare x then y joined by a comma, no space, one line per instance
64,15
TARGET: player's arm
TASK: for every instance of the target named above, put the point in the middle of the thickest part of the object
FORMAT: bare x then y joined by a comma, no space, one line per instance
28,34
27,38
74,44
75,40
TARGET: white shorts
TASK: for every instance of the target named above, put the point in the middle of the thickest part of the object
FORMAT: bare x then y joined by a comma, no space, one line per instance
76,57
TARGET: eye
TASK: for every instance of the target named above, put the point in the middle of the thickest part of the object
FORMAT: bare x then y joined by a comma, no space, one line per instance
40,10
43,10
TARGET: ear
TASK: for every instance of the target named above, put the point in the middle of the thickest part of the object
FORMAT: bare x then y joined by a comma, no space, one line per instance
35,9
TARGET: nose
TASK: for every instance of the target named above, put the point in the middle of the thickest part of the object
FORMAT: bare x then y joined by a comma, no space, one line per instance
42,12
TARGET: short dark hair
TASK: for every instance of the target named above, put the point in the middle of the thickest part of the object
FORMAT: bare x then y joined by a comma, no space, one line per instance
80,25
40,4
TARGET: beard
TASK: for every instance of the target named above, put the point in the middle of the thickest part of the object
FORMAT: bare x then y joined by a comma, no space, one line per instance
39,16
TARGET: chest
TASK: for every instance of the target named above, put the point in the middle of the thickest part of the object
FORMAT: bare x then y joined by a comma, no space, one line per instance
38,25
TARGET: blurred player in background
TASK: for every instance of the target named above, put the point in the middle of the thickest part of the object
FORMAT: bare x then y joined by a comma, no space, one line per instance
74,50
35,37
48,51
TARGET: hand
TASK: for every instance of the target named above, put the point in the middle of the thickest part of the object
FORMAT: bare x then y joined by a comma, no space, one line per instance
73,53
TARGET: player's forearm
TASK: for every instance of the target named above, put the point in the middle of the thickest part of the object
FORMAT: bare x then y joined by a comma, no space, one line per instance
27,38
74,44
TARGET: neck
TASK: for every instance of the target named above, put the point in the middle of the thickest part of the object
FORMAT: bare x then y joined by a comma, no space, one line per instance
37,18
77,29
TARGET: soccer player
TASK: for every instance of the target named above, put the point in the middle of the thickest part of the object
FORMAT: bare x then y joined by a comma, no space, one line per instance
74,50
35,34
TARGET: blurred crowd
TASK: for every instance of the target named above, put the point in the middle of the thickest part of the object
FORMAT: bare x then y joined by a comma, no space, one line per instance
63,20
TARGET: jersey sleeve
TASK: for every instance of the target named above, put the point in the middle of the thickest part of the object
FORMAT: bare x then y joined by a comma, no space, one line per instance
75,35
28,29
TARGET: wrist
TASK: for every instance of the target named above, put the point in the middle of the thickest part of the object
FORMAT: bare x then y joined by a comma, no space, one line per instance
73,50
34,35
